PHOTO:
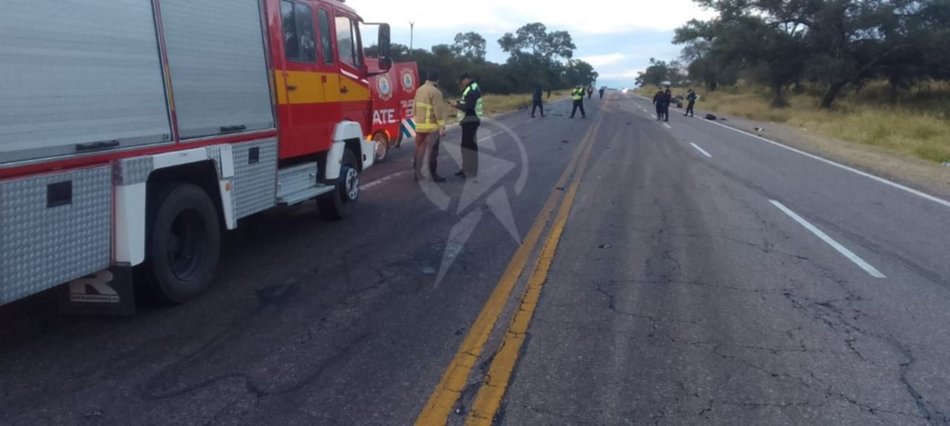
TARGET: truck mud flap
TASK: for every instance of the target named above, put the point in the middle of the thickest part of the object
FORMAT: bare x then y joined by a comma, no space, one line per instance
107,292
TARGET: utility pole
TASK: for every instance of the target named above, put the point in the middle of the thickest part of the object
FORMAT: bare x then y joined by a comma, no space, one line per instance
412,26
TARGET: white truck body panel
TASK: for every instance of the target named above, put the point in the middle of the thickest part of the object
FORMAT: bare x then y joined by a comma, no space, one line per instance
79,72
218,66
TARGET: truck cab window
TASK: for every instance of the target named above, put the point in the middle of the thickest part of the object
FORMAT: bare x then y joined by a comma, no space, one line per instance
326,41
299,42
346,42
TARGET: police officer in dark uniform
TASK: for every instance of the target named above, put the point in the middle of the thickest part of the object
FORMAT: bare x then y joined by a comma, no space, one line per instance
470,113
536,100
657,101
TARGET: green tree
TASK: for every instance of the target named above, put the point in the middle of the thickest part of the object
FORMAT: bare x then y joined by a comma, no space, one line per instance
538,56
535,40
834,43
471,45
660,72
580,72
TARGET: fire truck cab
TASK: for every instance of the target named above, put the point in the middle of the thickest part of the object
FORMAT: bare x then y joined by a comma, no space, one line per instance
133,132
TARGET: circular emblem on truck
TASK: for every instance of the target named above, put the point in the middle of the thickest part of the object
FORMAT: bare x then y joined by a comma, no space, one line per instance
385,88
408,81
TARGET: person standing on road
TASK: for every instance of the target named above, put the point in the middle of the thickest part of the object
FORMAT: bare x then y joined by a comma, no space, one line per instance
536,101
602,89
469,114
664,104
590,91
429,107
578,97
690,102
658,103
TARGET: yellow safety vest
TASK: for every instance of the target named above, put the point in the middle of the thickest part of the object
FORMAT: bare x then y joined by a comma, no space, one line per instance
478,104
578,94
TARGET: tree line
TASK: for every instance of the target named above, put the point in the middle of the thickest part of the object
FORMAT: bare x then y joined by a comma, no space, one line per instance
537,57
832,44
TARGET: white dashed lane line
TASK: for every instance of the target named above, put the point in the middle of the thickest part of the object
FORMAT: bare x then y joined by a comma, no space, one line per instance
872,271
700,150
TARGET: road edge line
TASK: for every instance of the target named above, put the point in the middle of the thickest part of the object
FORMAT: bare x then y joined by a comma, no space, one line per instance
879,179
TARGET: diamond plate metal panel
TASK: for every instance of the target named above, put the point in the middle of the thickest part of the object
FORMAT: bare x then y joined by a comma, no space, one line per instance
255,184
42,247
130,171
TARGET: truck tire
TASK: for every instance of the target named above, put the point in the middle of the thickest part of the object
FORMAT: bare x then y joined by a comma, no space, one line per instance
183,245
380,146
336,204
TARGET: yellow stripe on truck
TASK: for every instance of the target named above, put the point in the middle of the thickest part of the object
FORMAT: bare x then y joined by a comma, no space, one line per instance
310,87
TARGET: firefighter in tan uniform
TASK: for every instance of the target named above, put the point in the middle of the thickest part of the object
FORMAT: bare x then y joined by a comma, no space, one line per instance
430,110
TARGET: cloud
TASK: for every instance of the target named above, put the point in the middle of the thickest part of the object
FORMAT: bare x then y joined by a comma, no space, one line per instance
623,74
603,60
617,38
594,17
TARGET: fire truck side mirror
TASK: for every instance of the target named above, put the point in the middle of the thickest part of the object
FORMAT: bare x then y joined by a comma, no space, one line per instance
385,50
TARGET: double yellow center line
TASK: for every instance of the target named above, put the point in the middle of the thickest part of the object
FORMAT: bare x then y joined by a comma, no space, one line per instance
489,397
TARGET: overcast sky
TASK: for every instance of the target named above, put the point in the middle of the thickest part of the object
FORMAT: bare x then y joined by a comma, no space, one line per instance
617,37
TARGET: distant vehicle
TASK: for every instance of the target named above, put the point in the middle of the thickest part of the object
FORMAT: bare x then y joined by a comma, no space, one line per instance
162,123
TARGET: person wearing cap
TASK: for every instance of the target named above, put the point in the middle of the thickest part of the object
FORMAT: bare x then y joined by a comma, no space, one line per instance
469,115
429,107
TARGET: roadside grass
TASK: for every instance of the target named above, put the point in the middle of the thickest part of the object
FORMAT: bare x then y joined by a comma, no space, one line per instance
916,122
495,104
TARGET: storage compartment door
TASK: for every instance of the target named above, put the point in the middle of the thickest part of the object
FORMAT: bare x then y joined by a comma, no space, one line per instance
77,77
219,72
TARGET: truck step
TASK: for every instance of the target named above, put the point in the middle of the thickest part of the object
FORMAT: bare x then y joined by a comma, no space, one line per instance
298,183
304,195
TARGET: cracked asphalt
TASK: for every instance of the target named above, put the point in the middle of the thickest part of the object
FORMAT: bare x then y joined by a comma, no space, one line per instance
679,294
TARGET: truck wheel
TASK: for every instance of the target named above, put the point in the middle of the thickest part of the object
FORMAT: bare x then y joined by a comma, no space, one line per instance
381,146
184,244
335,205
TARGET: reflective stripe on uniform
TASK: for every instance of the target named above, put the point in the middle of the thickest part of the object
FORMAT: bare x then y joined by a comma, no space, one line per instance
478,103
426,112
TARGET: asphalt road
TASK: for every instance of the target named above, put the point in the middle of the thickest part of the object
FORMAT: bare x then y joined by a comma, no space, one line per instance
612,270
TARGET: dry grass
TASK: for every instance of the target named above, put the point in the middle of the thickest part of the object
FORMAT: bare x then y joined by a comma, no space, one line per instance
499,104
916,123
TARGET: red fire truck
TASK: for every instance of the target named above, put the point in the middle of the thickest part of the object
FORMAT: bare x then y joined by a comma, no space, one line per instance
393,93
132,132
